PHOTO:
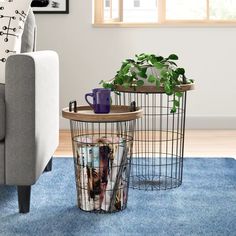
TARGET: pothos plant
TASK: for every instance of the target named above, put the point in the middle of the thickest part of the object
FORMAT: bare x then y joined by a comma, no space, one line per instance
134,72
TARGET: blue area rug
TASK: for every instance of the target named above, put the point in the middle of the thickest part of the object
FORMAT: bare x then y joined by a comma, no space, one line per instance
205,204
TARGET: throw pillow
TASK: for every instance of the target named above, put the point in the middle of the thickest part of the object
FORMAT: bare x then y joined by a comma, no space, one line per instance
13,14
28,40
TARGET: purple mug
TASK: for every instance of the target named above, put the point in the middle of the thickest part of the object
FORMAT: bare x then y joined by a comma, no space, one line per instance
101,100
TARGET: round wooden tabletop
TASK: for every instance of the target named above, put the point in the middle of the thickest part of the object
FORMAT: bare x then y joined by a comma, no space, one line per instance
153,89
117,113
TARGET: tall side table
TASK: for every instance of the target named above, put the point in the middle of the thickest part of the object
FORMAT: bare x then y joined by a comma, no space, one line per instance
157,162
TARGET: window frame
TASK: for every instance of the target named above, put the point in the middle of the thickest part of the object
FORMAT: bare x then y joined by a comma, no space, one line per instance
98,20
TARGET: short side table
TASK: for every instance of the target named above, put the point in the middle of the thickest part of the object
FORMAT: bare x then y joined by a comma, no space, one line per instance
102,147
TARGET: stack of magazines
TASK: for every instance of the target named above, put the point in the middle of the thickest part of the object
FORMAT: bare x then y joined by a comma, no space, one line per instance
102,173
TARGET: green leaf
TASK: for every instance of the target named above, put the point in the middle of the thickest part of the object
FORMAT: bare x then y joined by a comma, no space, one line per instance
108,85
178,94
164,73
143,69
180,71
137,66
158,65
142,74
152,60
140,83
119,81
124,63
151,79
167,87
173,110
175,75
176,103
159,58
141,57
173,57
125,70
133,74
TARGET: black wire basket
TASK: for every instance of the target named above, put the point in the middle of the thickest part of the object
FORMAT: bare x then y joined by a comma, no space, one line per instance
102,147
158,152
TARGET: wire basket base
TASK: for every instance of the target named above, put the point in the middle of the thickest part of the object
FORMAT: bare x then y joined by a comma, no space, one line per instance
150,183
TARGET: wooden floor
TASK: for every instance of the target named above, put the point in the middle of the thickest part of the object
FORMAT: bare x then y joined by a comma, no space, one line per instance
198,143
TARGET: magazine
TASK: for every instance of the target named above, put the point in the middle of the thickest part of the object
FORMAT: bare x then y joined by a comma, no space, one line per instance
117,198
113,177
101,171
87,157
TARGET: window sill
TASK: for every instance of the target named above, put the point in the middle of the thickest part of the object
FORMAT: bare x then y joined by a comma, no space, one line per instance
170,24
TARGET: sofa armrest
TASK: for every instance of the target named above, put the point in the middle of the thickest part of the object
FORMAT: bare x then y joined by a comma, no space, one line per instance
32,114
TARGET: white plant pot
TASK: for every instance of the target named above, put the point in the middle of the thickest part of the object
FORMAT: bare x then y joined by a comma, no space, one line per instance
151,71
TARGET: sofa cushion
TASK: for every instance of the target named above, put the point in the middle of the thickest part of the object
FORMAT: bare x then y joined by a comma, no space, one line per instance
12,18
28,43
2,112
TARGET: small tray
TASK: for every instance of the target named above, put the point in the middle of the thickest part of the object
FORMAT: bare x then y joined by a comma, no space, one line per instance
117,113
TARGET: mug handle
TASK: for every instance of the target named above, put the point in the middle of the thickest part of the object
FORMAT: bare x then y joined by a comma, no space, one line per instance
86,98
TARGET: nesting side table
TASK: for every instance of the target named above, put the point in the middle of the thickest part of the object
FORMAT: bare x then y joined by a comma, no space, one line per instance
157,162
102,147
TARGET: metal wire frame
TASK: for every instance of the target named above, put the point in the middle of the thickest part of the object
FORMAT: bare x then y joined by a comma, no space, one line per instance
99,192
157,162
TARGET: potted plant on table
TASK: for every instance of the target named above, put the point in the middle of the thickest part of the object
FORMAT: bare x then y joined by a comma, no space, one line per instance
160,73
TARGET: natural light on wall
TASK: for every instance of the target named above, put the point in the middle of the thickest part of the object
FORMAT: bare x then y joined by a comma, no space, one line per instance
164,12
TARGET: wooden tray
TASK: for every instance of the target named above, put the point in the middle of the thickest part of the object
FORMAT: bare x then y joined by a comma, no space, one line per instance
153,89
117,113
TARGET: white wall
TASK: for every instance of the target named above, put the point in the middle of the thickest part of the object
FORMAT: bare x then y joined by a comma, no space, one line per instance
88,55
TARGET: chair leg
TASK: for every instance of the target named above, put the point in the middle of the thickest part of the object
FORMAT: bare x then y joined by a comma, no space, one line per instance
49,166
24,198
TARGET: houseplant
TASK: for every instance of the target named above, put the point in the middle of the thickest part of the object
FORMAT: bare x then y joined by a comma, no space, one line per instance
151,70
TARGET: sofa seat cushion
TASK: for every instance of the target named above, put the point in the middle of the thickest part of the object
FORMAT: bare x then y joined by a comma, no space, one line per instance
2,112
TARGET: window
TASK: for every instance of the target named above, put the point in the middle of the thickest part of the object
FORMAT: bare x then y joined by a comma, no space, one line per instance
136,3
186,9
164,12
107,3
134,10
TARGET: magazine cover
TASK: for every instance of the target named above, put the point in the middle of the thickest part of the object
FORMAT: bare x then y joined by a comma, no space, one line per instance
88,176
113,175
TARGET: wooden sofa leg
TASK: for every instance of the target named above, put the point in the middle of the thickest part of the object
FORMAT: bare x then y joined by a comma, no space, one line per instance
49,166
24,198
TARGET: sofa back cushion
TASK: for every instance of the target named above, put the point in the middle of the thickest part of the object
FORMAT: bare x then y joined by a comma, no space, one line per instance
13,15
28,43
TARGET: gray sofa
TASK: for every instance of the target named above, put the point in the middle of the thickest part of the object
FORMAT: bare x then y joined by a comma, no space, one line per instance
29,116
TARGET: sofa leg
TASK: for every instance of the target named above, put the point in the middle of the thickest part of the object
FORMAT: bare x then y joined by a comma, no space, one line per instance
24,198
49,166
